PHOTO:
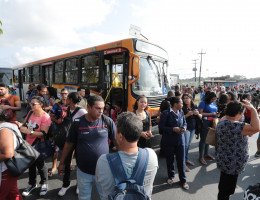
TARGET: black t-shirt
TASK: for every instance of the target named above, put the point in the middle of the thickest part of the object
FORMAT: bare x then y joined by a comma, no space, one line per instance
91,139
191,120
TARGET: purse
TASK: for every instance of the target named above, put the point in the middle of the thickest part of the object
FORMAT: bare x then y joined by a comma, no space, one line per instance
24,156
45,147
211,137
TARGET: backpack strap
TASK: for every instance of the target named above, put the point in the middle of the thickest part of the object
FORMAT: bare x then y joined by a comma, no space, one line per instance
140,166
116,167
139,170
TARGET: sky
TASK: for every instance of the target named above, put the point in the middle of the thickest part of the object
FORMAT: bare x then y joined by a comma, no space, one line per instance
228,32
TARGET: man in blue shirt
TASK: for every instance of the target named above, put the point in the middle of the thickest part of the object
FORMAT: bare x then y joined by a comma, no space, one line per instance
89,135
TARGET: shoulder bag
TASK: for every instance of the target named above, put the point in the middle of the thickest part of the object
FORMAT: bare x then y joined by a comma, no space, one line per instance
24,156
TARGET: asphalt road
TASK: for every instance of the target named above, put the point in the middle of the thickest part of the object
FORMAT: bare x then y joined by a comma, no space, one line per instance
203,180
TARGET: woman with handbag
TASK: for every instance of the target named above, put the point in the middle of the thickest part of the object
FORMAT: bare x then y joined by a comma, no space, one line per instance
208,109
232,145
8,143
38,123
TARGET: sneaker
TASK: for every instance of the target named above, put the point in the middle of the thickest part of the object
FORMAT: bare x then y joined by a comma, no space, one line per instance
63,190
257,154
44,189
170,181
185,186
28,190
77,190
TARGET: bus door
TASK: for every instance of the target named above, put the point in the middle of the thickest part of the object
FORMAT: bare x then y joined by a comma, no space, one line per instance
47,71
115,78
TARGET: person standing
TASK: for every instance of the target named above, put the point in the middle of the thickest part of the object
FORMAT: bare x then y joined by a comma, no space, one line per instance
140,109
192,116
129,128
232,145
9,102
38,123
89,135
82,93
208,110
173,126
8,143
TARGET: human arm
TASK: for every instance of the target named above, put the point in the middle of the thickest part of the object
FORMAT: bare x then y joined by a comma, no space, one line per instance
68,147
6,144
254,126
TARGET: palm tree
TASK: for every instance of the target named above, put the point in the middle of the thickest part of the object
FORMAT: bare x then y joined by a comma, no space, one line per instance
1,31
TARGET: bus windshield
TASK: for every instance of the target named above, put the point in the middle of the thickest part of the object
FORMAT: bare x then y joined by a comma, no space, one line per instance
152,78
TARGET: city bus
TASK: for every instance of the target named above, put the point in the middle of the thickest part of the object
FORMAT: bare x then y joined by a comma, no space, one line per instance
119,71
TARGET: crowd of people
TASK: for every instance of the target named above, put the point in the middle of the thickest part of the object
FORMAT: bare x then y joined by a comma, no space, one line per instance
85,127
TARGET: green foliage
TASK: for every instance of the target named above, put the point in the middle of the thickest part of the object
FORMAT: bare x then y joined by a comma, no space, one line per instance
1,30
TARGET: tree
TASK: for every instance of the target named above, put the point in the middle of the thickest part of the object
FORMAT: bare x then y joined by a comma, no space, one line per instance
1,30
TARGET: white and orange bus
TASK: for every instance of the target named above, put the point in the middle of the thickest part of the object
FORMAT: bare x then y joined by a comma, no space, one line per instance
118,71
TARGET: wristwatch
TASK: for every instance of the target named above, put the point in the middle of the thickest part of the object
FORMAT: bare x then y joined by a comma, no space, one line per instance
31,132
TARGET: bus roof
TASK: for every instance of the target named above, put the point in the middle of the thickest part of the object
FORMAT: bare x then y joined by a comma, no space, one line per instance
128,42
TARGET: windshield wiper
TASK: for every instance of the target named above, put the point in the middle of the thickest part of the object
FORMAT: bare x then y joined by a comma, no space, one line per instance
149,58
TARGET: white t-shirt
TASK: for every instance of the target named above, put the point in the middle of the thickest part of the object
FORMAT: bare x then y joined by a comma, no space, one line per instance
81,112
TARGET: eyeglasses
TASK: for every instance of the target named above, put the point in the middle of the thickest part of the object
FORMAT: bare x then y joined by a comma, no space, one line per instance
33,104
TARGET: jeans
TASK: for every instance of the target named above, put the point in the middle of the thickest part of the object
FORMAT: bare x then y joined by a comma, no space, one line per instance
42,170
203,147
85,182
189,134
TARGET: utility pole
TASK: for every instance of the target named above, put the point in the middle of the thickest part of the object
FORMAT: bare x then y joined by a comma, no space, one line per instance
201,53
195,70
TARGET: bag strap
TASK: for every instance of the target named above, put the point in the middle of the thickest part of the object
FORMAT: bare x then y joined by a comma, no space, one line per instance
118,171
28,117
116,167
19,138
140,166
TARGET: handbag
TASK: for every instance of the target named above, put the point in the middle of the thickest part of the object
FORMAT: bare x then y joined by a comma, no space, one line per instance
24,156
211,137
45,147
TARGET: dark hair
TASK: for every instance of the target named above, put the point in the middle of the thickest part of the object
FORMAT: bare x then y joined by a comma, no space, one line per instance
130,126
64,89
74,97
92,99
39,99
177,93
40,87
209,96
52,92
80,88
223,99
3,85
191,99
234,108
174,100
135,106
245,96
232,96
170,94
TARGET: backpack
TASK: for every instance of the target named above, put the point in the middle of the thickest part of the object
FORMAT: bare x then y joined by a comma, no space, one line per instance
61,131
132,188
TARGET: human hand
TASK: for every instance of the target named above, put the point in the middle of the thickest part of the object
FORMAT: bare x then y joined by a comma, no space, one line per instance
190,113
247,105
24,130
195,112
5,107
